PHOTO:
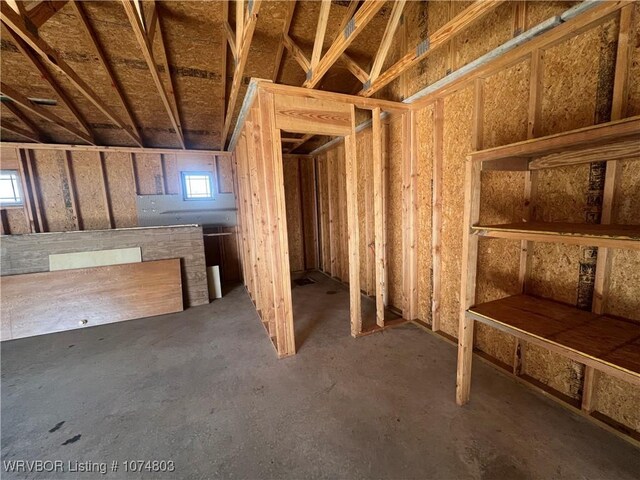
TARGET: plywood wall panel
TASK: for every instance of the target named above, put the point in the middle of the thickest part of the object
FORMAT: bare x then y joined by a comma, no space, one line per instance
309,211
425,153
53,187
633,104
149,173
538,11
122,189
224,174
294,213
17,221
89,190
394,212
458,114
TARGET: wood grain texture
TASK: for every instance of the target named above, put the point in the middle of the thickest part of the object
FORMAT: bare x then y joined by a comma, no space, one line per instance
47,302
30,253
304,115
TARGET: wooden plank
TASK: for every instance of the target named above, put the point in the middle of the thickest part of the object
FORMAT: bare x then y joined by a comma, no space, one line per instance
612,236
351,180
71,182
436,212
240,21
243,45
439,38
41,223
296,53
469,254
387,39
323,19
629,149
223,67
273,178
43,11
231,39
360,20
597,340
23,132
84,21
409,215
27,201
36,134
55,60
604,133
105,190
27,104
354,68
378,213
302,115
104,149
72,299
94,258
143,42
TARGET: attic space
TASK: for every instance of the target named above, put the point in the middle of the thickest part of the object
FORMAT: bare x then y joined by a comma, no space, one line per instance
333,239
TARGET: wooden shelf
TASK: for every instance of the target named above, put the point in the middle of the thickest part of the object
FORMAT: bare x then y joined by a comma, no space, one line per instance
611,236
607,343
607,141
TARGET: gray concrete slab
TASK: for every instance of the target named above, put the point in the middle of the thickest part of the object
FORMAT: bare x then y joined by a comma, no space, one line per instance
203,388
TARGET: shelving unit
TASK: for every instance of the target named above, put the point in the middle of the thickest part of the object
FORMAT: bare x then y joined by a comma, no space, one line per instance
599,341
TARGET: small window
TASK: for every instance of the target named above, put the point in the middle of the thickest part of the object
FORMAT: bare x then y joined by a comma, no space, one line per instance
197,185
10,189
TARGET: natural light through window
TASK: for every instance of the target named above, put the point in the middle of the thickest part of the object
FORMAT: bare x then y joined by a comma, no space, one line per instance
10,192
197,185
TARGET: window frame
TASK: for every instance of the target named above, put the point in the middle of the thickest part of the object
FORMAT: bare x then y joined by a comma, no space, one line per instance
18,188
183,179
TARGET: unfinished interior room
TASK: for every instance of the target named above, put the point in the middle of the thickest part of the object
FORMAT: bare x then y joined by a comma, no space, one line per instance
320,239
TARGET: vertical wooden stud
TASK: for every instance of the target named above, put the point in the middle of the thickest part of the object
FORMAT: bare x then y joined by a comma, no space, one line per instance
469,254
105,190
409,214
27,200
71,182
436,208
134,173
378,216
353,236
41,221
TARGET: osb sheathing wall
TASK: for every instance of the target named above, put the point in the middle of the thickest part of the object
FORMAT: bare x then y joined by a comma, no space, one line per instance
302,221
93,190
576,90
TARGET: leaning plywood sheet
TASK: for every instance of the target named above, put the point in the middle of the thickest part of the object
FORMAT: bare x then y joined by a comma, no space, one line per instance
39,303
98,258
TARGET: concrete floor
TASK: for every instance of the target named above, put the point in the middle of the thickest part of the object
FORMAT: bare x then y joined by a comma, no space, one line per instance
203,389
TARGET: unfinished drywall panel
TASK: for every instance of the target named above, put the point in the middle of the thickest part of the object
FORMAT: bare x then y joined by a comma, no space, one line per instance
87,177
425,126
55,191
122,189
458,118
394,212
293,204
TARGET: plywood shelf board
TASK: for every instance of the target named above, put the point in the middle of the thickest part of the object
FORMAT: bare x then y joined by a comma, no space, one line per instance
596,135
614,236
600,340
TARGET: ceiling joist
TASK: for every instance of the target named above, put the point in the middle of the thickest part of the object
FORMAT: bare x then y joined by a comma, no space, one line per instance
243,45
145,46
17,23
27,104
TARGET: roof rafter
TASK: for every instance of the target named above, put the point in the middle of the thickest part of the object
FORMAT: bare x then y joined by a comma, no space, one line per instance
17,23
24,102
354,68
387,38
28,134
440,37
297,53
46,75
354,27
243,54
223,61
79,10
143,42
37,133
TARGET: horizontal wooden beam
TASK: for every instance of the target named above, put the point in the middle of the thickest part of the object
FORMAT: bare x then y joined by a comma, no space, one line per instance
97,148
602,153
